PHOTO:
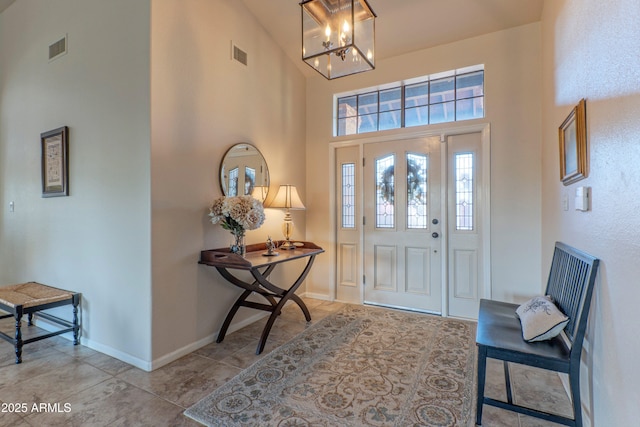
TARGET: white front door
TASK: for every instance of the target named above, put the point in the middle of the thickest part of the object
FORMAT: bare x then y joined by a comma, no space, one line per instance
402,243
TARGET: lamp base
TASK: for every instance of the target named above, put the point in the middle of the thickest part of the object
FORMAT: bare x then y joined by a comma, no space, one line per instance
286,245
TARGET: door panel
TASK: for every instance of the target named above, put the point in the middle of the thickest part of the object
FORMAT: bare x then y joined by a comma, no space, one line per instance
401,201
384,277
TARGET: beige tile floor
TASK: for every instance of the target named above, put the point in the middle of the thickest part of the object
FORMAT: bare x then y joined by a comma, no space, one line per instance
92,389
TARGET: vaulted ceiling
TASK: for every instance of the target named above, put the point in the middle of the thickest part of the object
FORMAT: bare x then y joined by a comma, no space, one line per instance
5,4
404,26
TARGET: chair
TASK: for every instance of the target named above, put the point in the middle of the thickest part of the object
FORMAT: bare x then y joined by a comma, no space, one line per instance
499,334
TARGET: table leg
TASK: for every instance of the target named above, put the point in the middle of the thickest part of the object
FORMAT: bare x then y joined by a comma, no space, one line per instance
232,312
267,327
302,306
288,294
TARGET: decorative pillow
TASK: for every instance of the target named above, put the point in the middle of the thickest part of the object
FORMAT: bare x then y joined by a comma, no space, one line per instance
540,319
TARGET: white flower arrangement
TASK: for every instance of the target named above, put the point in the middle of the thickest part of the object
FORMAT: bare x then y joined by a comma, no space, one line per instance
237,214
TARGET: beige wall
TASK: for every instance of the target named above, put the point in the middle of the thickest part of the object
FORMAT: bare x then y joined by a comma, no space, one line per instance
512,81
202,103
130,234
96,241
591,51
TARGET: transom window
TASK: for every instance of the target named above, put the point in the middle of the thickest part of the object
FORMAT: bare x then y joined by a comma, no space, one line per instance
444,97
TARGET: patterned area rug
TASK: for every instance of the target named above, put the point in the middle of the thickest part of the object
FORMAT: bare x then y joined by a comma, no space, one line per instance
362,366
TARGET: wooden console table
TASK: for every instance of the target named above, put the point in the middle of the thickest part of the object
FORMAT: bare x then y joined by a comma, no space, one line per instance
261,267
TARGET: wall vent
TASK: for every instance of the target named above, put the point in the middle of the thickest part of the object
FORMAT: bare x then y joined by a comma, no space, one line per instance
58,48
239,55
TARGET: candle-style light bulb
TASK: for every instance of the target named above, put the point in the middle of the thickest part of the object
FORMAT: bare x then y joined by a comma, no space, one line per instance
327,32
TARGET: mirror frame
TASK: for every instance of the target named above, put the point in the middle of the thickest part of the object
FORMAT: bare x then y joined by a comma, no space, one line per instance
264,181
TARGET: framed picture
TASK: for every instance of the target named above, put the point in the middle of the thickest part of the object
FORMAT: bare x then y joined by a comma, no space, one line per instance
55,162
573,145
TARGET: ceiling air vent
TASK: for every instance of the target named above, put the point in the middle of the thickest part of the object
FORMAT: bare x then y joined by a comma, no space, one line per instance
239,54
58,48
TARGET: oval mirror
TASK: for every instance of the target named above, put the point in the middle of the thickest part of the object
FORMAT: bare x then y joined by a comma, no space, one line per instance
244,171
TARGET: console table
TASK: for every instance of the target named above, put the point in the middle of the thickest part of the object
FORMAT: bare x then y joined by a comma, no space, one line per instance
261,267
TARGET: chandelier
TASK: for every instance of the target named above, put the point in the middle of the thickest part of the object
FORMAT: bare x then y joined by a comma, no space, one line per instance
338,36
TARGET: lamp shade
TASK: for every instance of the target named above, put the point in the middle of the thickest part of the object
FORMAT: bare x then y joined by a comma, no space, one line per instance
338,36
287,198
260,192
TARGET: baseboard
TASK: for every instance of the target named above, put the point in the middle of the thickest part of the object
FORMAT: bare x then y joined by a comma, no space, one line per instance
170,357
175,355
105,349
317,296
190,348
145,365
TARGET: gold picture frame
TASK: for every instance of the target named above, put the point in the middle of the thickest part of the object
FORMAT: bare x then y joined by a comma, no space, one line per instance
55,162
573,145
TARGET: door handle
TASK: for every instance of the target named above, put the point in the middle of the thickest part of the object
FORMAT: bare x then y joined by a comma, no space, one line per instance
435,235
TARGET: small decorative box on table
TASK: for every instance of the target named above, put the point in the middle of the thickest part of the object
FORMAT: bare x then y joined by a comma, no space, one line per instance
260,268
29,298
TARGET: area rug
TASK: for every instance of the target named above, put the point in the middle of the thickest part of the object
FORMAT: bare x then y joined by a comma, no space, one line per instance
363,366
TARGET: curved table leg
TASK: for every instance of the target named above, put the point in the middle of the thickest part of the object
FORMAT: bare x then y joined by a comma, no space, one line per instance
232,312
267,327
302,306
288,294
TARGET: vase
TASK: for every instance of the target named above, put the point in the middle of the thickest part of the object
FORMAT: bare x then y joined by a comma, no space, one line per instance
238,247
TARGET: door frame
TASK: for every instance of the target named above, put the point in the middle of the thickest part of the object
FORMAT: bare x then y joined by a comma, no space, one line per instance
485,192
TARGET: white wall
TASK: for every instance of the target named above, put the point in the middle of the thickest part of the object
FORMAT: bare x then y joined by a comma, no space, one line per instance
96,241
591,51
202,103
512,83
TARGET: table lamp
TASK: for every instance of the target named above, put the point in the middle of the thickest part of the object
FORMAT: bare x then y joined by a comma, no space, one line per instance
260,192
287,198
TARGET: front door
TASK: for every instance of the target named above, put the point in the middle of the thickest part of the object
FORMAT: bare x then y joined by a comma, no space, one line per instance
402,244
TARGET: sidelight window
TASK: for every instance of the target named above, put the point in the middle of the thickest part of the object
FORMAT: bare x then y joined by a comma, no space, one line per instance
349,195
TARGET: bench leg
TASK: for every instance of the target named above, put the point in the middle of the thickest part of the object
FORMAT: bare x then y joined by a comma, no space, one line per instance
76,326
17,342
482,375
507,381
574,383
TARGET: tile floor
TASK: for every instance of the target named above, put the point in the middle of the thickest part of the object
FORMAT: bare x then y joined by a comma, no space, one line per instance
86,388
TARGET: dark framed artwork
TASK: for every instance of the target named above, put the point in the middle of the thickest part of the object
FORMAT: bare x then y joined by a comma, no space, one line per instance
573,145
55,162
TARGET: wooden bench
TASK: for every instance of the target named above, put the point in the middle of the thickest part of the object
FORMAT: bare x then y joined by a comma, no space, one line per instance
499,334
29,298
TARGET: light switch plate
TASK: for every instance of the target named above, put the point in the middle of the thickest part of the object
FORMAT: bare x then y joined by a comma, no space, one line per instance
582,199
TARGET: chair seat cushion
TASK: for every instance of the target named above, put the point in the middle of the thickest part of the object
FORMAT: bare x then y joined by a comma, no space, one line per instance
540,318
499,328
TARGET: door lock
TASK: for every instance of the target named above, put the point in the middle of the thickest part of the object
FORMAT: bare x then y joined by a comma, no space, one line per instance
435,235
